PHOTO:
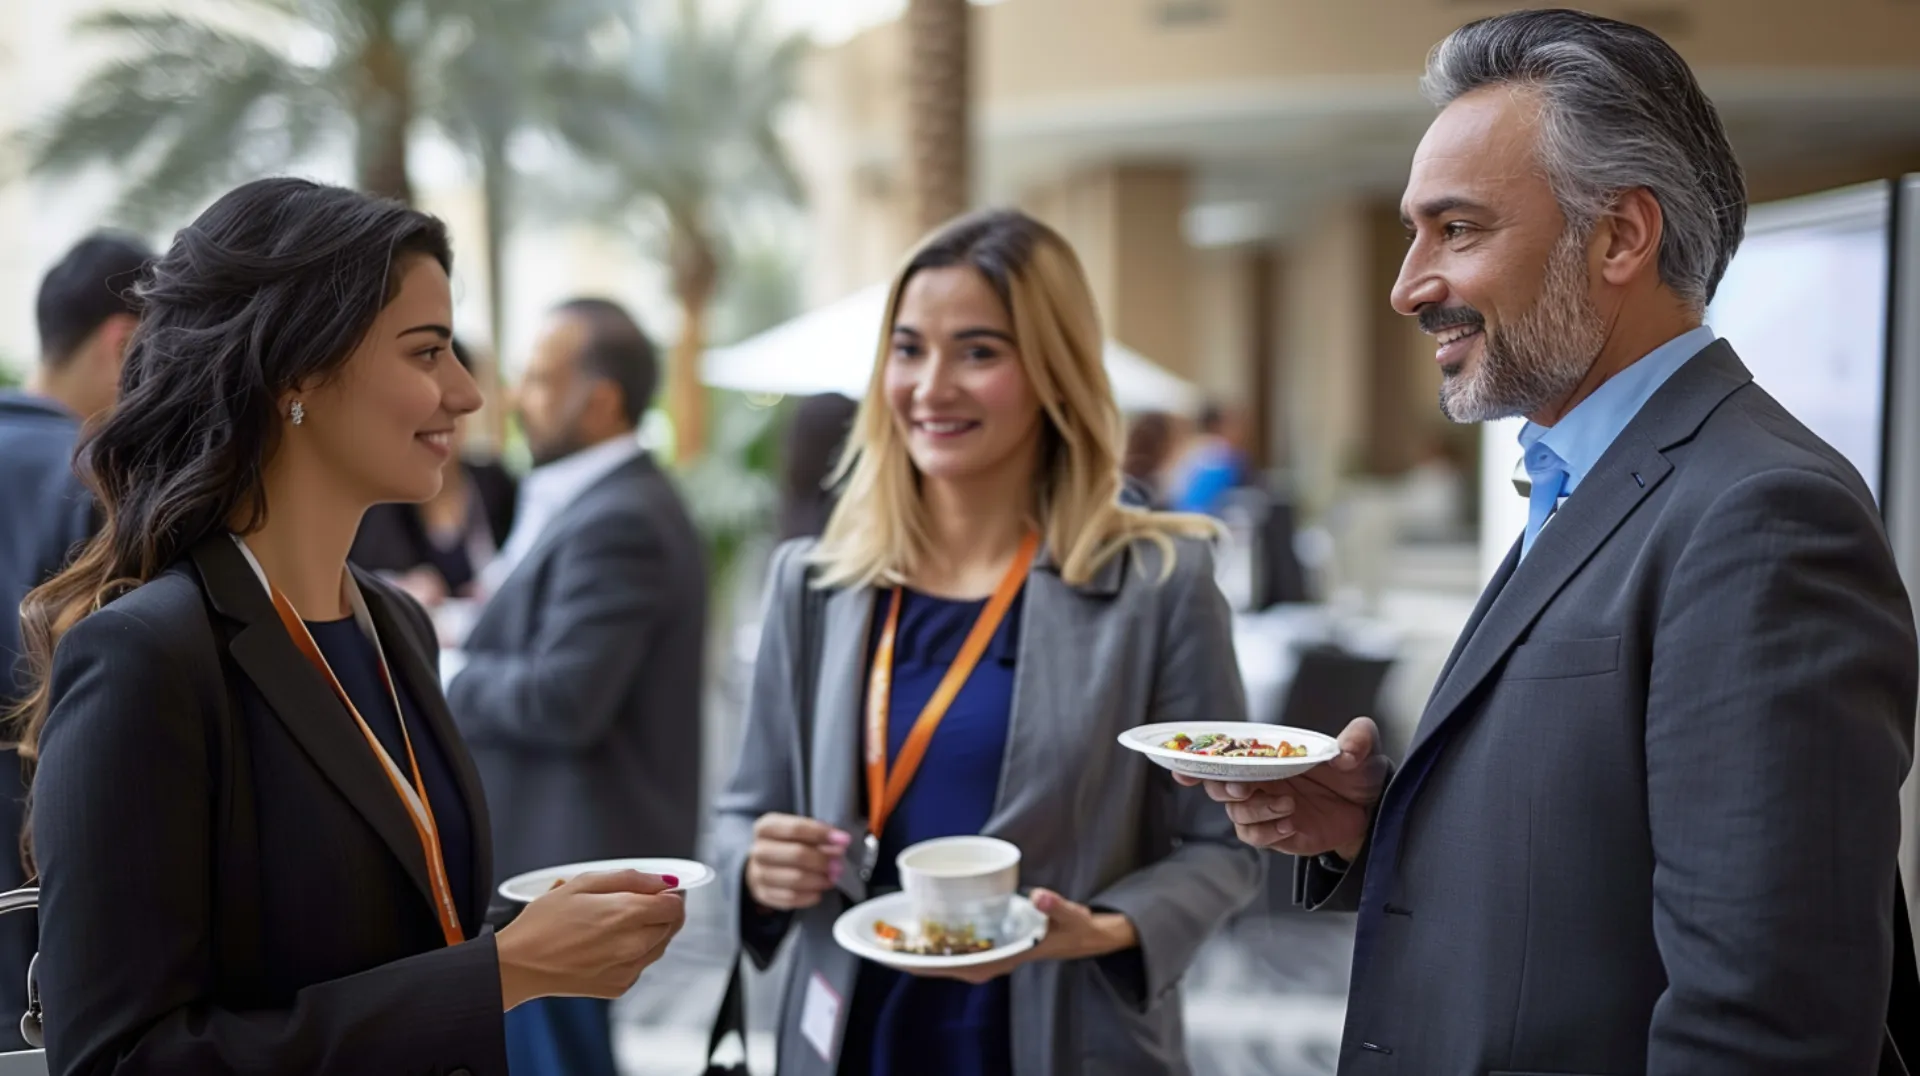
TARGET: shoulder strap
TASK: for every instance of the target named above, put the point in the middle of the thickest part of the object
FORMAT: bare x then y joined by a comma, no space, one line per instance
1903,1032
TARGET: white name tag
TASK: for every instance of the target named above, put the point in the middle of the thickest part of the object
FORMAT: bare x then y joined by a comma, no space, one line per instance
820,1017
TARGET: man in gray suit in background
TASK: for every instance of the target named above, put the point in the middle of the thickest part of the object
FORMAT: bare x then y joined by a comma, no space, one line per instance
578,688
1649,820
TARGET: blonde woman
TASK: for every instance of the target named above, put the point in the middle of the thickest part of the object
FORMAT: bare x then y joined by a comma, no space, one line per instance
984,462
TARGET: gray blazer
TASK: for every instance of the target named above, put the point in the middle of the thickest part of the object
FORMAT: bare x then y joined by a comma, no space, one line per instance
1660,806
1095,822
581,696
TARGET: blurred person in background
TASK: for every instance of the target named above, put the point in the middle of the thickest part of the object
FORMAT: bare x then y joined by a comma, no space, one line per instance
435,551
981,504
86,311
1650,820
1143,464
813,444
1213,464
579,687
262,846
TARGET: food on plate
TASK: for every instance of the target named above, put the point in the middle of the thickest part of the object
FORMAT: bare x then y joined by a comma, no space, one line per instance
1215,745
934,939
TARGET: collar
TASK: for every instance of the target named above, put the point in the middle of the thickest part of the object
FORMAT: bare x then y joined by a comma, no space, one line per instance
559,483
38,406
1577,441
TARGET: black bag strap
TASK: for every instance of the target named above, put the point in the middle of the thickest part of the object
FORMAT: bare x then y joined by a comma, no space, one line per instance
731,1020
1903,1032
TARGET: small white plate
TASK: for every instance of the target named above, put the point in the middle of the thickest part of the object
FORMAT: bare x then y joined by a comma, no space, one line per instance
1147,740
528,887
1026,925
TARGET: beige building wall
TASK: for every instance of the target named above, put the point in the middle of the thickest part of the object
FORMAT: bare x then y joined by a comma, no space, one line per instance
1123,49
1326,311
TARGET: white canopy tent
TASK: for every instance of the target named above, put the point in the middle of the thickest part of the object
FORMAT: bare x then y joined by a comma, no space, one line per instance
832,349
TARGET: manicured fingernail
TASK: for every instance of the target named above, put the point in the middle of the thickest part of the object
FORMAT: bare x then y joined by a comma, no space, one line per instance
840,837
1284,805
672,882
835,869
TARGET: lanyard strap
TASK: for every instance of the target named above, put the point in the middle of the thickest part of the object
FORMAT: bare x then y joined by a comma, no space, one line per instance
412,794
884,790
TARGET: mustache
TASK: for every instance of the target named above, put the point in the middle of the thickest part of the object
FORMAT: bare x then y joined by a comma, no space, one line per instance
1436,319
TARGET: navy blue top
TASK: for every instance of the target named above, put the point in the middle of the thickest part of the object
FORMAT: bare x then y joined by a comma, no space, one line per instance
355,661
897,1024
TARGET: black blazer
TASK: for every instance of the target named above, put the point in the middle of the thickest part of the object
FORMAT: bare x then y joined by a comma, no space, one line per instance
228,883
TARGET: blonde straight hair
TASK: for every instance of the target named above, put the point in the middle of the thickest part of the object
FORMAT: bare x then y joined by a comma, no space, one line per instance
878,531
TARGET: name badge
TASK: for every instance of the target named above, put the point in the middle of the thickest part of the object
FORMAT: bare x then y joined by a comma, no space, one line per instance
820,1017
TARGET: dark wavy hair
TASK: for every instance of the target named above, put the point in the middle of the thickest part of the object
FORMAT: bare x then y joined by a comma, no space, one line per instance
273,287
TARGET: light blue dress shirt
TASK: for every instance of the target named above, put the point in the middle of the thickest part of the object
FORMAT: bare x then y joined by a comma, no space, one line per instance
1573,445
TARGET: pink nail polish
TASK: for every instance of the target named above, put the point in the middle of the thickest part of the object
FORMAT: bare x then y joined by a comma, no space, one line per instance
672,881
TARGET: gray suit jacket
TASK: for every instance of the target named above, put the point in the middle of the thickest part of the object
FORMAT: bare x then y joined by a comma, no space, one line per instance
581,696
1657,826
1097,823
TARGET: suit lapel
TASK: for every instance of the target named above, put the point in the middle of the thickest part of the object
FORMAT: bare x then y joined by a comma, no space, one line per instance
837,762
301,699
1045,705
422,684
1630,470
1597,508
562,524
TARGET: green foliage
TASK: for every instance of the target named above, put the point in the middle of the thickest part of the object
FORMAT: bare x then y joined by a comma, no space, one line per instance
9,373
187,106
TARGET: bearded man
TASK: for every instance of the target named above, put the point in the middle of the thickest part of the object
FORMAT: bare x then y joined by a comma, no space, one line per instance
1649,821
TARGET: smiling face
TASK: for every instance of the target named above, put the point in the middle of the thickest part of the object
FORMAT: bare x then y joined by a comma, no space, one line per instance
383,426
955,383
1493,272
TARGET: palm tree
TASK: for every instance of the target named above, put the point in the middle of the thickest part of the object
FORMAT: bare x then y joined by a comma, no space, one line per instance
700,146
939,103
518,66
191,106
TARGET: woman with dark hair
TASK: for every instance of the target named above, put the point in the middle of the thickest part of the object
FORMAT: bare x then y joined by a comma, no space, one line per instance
435,550
262,846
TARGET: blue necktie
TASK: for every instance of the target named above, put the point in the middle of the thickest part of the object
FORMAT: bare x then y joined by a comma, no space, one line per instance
1548,472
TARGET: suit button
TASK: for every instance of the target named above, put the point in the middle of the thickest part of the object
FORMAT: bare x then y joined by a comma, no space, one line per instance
1376,1048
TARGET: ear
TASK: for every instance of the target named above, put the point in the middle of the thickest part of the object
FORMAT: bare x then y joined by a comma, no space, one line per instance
606,406
1628,238
115,332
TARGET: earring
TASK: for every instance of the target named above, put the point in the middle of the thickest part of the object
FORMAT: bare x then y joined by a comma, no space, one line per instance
298,412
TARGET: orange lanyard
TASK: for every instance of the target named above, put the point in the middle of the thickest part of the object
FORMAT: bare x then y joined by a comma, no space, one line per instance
884,790
413,795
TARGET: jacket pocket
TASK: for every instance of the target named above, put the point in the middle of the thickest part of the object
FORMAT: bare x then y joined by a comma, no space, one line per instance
1563,659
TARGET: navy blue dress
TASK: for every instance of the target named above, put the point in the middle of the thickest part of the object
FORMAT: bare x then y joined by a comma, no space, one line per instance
357,665
897,1024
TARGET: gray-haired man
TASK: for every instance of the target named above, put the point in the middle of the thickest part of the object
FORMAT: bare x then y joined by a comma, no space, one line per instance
1649,820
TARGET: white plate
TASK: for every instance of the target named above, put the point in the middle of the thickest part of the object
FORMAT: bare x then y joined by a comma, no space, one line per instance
854,931
1147,740
528,887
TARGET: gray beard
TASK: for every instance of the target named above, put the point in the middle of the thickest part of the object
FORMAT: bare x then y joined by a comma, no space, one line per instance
1540,359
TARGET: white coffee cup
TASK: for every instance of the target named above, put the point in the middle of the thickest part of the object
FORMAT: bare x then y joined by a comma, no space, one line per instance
961,882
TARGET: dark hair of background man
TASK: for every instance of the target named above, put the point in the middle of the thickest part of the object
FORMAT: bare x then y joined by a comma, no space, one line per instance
618,351
91,284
